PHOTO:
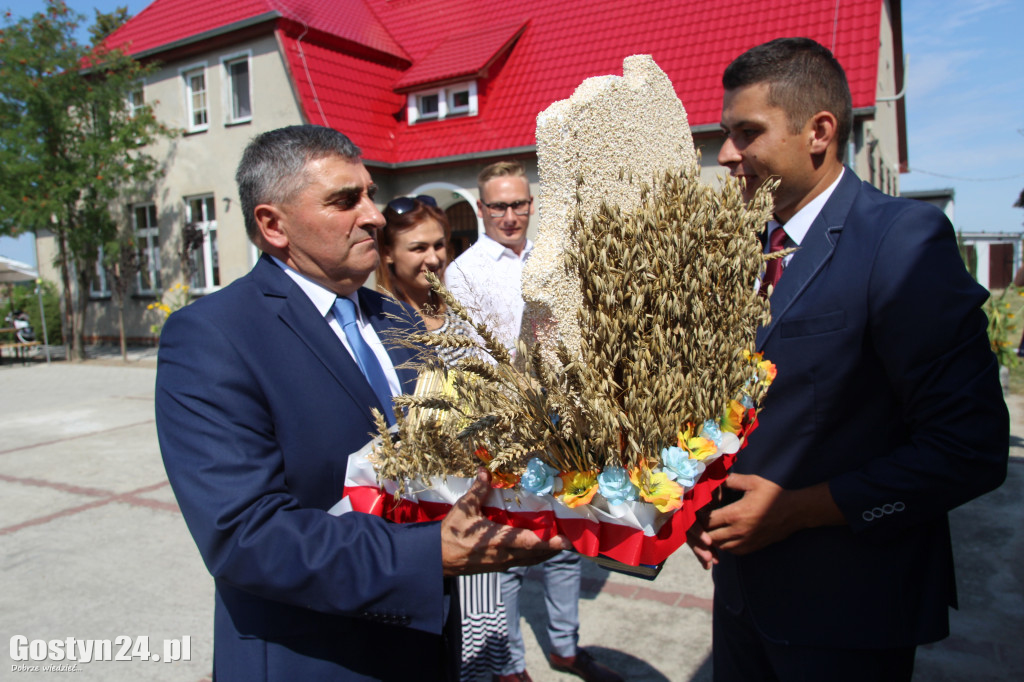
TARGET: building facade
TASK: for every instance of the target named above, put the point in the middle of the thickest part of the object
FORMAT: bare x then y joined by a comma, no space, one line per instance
432,91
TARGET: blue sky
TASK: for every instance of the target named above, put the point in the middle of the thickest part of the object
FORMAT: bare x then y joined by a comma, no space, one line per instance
965,105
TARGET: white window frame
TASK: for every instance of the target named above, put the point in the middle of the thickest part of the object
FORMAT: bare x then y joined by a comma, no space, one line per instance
228,91
211,254
190,112
446,107
134,106
440,110
98,286
470,106
147,240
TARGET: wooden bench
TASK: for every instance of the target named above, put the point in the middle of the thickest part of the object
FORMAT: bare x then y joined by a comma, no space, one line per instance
20,349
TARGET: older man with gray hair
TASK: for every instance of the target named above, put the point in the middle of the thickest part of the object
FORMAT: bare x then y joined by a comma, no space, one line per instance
263,389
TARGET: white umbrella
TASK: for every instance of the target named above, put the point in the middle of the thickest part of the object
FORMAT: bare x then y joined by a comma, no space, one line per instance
16,271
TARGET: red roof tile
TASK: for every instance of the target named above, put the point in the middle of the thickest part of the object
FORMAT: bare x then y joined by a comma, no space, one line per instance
166,22
461,55
563,43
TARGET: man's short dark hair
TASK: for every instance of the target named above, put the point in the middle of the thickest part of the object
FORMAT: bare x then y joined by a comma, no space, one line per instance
803,78
272,169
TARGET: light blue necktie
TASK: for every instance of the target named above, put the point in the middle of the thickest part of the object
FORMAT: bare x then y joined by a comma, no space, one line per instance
345,311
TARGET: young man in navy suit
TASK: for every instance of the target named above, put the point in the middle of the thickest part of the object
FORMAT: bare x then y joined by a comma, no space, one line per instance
263,390
831,550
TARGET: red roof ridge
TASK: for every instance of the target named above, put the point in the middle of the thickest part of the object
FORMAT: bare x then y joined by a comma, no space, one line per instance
168,24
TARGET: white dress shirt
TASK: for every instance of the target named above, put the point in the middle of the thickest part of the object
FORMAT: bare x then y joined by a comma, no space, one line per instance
486,279
797,226
323,299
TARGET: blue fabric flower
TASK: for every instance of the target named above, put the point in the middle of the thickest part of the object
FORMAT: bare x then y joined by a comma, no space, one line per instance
679,467
539,477
614,484
712,432
672,459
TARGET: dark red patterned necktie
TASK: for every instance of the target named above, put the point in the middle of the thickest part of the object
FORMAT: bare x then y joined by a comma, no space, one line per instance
773,269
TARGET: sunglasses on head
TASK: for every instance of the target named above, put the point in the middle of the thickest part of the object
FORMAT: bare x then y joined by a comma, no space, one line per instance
405,204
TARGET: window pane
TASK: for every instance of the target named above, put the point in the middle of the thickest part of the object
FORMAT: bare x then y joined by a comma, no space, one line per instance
145,281
240,105
460,99
198,268
147,237
154,257
200,209
428,105
98,285
211,245
136,101
200,213
197,98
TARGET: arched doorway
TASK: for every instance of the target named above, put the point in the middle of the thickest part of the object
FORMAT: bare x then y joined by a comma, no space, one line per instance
463,220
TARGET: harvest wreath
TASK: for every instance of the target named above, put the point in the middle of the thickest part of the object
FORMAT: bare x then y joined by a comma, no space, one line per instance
619,445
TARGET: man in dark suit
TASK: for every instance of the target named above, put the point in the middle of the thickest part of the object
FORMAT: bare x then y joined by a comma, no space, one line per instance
263,390
832,550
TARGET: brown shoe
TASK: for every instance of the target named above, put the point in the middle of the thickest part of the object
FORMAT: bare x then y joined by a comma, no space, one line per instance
514,677
583,665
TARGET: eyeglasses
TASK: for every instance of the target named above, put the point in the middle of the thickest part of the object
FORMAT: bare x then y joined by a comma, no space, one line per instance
498,209
405,204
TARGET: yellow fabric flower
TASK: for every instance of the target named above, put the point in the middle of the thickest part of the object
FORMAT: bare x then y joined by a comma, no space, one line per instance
765,367
732,421
699,448
665,494
578,487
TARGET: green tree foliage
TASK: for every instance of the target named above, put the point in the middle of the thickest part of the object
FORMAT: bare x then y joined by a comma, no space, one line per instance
70,147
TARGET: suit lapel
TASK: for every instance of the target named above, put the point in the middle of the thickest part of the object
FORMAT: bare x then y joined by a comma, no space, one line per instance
299,314
814,253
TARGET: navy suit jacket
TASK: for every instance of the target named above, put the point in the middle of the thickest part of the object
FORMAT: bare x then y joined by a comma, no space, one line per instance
888,390
258,404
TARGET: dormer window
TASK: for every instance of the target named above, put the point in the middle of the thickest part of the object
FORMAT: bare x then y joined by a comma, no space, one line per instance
440,103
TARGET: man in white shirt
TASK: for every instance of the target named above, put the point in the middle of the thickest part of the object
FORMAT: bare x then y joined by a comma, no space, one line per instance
487,280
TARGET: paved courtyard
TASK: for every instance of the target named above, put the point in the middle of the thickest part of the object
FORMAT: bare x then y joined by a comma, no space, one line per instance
92,547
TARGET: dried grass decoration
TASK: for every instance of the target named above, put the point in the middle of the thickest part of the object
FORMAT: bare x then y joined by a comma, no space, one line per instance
620,446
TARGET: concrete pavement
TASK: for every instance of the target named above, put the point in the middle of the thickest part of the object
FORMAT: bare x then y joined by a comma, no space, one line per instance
92,547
